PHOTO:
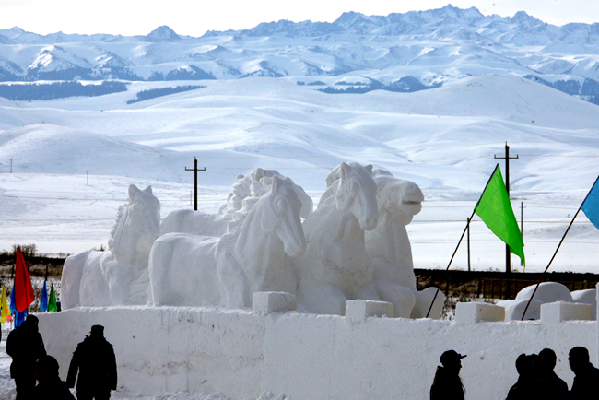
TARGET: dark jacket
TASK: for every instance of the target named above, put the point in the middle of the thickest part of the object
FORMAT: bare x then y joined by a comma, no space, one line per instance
446,386
552,387
52,389
25,346
524,389
585,383
95,361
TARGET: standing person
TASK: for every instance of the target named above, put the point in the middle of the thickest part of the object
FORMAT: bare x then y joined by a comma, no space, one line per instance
551,386
527,386
447,384
587,376
50,386
25,346
95,361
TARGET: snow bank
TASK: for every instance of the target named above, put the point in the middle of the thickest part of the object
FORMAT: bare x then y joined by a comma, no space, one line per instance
307,356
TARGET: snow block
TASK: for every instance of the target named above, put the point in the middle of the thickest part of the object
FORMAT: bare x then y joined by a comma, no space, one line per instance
586,296
473,312
269,302
560,311
515,308
359,310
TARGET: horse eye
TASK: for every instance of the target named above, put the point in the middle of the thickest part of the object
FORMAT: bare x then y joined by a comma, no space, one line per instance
354,187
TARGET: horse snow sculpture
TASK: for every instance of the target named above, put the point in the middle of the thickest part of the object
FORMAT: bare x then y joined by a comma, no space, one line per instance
197,271
389,246
257,183
119,275
194,222
336,267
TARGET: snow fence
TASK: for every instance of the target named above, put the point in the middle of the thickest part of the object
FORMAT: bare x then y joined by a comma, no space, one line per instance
308,356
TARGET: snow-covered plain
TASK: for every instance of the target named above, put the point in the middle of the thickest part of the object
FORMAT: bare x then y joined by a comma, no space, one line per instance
72,160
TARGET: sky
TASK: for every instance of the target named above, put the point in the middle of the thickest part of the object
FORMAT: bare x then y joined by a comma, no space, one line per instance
193,18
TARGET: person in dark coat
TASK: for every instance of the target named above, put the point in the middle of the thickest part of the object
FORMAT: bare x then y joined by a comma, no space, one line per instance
50,386
527,386
551,386
587,377
94,359
25,346
447,384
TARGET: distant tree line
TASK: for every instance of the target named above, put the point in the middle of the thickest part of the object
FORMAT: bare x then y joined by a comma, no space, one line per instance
159,92
59,90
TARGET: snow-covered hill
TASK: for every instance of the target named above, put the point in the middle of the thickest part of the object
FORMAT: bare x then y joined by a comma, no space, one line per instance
73,159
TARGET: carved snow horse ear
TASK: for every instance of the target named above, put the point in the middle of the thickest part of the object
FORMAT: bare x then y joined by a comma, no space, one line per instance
343,170
148,189
276,184
369,169
133,191
269,219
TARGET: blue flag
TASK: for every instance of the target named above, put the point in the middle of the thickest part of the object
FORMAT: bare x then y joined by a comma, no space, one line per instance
44,299
13,303
19,317
590,205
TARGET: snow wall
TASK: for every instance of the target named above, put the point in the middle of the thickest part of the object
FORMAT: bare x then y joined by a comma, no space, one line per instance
307,356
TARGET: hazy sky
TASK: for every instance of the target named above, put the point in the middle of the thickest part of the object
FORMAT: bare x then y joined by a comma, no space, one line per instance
186,17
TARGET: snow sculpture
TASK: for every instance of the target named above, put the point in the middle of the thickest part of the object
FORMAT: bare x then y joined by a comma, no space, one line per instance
389,246
256,184
193,271
119,275
194,222
336,267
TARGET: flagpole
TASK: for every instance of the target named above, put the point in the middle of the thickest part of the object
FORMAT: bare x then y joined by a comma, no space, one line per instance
556,250
461,238
550,261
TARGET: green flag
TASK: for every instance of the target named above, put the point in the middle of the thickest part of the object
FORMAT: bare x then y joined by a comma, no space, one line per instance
495,209
52,302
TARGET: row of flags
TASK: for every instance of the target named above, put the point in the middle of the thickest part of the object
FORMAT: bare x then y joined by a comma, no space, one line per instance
21,295
495,209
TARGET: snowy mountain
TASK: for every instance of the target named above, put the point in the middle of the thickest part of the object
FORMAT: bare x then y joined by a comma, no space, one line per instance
428,48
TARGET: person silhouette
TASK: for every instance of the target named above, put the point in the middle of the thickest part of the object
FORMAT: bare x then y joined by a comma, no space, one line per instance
551,386
586,376
50,386
25,346
527,386
447,384
94,359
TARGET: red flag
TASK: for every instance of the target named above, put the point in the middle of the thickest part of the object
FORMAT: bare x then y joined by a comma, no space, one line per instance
23,289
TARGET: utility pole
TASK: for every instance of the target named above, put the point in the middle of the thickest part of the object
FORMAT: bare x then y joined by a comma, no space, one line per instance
522,224
508,254
195,182
468,241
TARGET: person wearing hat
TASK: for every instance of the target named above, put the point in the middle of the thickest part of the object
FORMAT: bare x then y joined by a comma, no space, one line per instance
25,346
95,363
50,386
447,384
587,376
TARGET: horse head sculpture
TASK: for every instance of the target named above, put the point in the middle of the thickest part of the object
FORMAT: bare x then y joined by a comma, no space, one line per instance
354,191
136,228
